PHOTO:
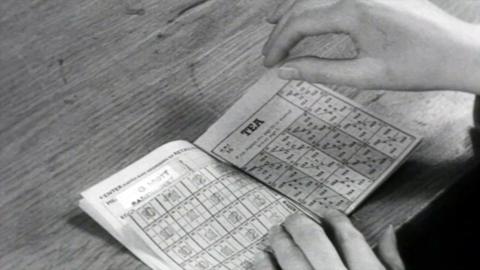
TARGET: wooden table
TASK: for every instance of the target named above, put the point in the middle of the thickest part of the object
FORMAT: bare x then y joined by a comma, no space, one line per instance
87,87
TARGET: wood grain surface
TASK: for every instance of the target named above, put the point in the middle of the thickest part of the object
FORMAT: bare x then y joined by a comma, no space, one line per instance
87,87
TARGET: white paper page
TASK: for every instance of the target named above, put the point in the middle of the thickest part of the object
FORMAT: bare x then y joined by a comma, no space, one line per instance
161,165
215,218
314,145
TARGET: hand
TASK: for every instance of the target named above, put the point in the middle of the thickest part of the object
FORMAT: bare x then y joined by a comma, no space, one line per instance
301,244
401,45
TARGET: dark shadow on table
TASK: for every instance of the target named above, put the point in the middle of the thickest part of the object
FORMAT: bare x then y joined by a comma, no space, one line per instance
446,235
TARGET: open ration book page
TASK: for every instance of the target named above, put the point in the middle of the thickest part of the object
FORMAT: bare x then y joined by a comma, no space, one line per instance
179,208
309,143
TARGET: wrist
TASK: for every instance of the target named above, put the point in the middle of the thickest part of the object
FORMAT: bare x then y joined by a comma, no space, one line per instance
475,87
466,59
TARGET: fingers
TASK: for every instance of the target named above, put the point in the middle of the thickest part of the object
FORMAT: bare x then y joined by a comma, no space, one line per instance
302,20
350,243
287,253
313,242
265,261
277,29
280,11
303,245
286,34
361,73
388,251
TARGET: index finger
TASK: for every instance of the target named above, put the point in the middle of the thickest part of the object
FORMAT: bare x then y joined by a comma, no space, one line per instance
287,253
313,242
350,243
280,11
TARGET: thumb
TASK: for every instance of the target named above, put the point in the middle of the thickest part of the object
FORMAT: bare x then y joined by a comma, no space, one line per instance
360,73
388,250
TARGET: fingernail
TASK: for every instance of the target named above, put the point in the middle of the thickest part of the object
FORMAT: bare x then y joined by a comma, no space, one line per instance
275,229
268,62
292,217
259,256
288,73
391,231
330,212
